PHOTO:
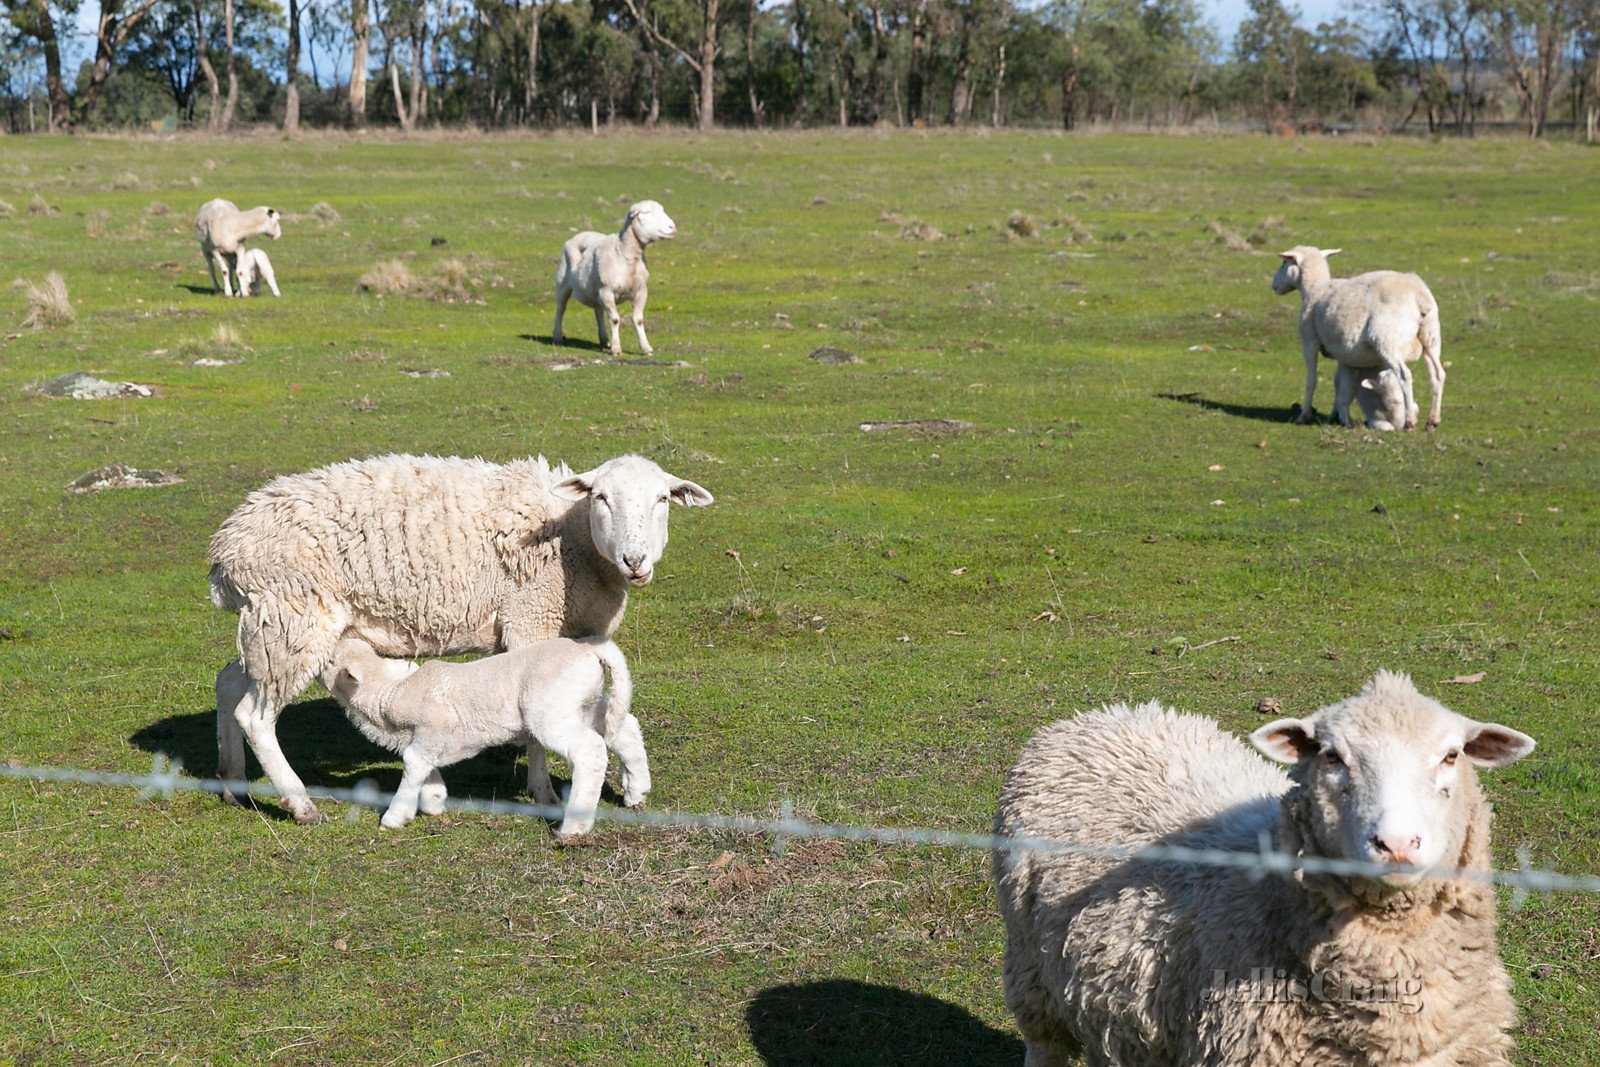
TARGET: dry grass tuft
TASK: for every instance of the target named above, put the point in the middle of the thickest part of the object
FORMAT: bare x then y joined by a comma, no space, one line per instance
386,278
226,336
158,209
126,180
1229,238
98,224
1021,225
48,304
6,210
917,230
450,282
40,206
323,211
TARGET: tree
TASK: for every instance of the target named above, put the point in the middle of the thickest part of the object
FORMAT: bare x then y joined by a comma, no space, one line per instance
360,34
291,72
1532,34
38,20
703,61
1270,49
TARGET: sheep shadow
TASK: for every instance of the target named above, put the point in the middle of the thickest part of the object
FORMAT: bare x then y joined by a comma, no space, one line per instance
1241,411
199,290
565,342
329,753
840,1021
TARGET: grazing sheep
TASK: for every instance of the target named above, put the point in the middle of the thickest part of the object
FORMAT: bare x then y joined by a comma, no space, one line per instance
1174,965
422,555
1382,398
1381,319
603,269
222,229
255,268
441,713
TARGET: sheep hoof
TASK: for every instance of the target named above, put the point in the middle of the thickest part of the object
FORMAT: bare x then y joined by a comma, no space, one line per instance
573,840
308,815
1432,425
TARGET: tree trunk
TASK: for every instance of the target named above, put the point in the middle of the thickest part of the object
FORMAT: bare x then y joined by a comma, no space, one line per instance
872,112
802,46
708,67
757,109
291,81
652,116
530,99
360,39
916,110
399,101
999,84
961,93
213,90
1069,89
233,82
42,27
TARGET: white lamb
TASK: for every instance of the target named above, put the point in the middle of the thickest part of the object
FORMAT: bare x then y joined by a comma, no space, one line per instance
1381,396
422,555
1382,319
603,269
255,268
222,229
441,713
1163,964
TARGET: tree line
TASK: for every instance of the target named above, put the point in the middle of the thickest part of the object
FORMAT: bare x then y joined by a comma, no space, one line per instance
1448,65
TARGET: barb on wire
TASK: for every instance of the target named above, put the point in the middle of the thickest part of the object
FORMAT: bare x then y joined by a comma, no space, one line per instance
1258,862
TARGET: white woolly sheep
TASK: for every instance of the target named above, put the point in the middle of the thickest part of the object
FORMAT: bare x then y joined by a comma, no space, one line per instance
441,713
422,555
603,269
1381,396
1173,965
222,229
1382,319
254,269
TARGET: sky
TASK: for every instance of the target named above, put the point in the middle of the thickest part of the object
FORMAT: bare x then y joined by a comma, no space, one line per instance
1225,15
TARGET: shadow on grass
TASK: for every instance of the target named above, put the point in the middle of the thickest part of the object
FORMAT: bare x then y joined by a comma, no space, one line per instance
565,342
846,1022
327,751
199,290
1241,411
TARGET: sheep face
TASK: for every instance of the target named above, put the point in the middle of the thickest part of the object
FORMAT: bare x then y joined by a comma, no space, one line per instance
1387,775
628,504
1383,401
357,666
275,224
1294,264
651,222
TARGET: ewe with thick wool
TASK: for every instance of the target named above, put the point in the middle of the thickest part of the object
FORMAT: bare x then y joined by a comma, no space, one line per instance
603,269
1382,319
255,269
1168,965
222,229
552,692
422,555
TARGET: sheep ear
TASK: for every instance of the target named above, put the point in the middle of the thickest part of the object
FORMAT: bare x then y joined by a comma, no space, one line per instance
1331,251
689,495
347,673
1290,257
574,488
272,212
1287,740
1492,745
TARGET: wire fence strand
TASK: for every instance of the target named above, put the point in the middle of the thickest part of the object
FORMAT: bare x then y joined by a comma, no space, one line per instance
167,779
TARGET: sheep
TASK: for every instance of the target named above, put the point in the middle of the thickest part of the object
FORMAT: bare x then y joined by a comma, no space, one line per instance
1381,397
1160,964
441,713
255,268
1380,319
422,555
602,269
221,228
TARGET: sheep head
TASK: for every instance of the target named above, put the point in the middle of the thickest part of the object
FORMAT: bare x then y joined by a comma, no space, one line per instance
1383,401
1387,776
274,226
628,498
1298,262
650,222
356,665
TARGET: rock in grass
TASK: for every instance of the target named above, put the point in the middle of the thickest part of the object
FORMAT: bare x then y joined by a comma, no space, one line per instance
122,476
827,354
76,385
928,427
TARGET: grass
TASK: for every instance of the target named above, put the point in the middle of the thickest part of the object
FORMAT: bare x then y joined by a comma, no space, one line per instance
866,625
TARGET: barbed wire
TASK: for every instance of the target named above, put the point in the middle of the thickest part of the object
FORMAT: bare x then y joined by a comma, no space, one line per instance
166,778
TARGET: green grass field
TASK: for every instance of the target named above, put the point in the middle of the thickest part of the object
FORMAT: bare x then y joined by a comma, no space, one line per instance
865,625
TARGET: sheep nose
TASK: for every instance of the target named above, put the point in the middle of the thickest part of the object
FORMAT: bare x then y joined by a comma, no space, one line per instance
634,561
1396,848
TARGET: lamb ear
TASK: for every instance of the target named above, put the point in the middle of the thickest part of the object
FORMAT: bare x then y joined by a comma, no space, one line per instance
1491,745
574,488
1287,740
1290,257
350,673
1331,251
689,495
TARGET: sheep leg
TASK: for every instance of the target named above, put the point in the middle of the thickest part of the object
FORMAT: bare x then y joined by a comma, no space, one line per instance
1309,348
403,808
1345,380
258,719
628,744
540,787
220,261
638,320
433,794
232,685
1434,359
608,305
211,265
563,293
586,751
1050,1054
606,340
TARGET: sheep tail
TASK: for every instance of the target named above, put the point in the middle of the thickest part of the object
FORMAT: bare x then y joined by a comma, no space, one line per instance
224,594
620,697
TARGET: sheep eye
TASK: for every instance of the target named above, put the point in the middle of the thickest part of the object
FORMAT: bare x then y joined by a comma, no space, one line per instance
1450,758
1332,758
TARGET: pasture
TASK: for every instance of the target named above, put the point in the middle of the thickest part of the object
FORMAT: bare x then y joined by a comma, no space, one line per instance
865,625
